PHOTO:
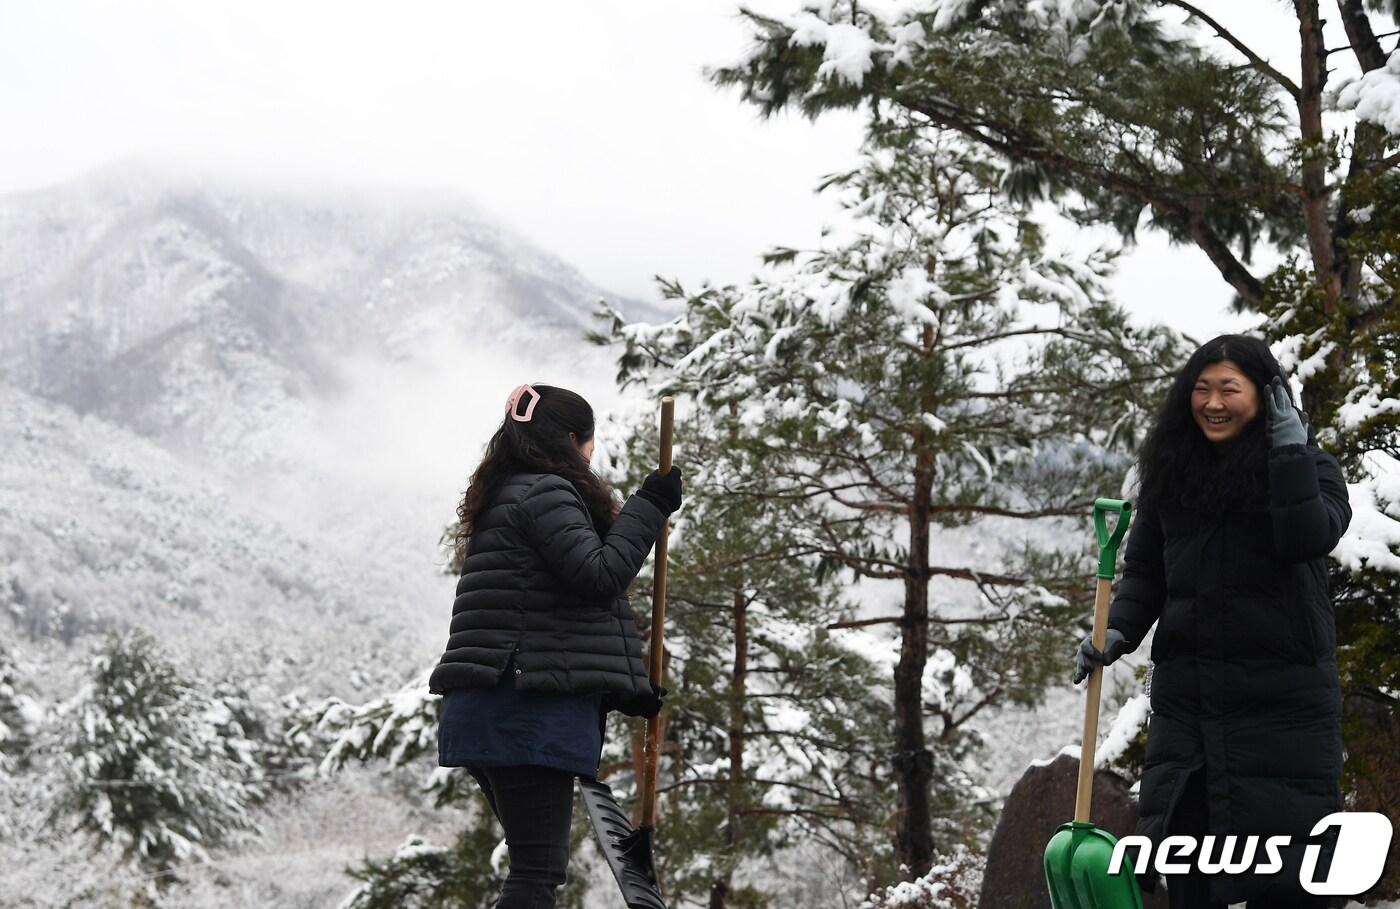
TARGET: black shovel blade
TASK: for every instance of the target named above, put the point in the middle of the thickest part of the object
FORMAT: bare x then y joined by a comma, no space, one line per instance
627,849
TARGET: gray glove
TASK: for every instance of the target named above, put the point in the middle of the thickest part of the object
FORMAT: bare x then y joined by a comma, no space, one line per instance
1114,646
1285,424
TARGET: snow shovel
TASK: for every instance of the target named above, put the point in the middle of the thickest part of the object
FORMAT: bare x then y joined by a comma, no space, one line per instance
629,850
1077,857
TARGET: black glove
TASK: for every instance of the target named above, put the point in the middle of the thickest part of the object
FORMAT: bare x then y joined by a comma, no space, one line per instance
663,491
643,705
1114,646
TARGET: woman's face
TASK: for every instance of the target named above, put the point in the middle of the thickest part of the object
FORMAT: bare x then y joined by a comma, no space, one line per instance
586,449
1223,401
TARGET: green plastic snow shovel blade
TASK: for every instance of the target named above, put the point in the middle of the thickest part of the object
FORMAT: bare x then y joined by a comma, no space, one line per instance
1077,857
1076,870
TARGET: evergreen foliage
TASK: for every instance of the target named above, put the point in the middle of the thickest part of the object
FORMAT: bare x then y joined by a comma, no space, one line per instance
466,875
774,733
422,876
954,882
398,728
20,718
938,368
18,714
153,767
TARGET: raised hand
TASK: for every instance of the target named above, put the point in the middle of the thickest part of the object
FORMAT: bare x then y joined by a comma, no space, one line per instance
1285,424
663,491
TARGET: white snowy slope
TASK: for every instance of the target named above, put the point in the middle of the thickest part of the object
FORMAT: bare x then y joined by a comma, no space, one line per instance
101,529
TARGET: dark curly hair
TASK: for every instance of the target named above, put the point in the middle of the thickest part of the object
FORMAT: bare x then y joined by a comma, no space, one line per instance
541,445
1178,465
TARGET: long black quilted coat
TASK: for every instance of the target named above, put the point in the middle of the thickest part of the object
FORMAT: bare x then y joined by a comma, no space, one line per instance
541,583
1244,682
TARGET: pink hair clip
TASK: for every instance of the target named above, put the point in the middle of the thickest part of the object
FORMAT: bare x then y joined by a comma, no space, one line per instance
515,398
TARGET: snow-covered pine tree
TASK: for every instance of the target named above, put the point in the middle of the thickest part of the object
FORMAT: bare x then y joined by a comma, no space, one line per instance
259,734
18,715
954,883
775,730
1119,108
396,728
936,367
146,770
20,719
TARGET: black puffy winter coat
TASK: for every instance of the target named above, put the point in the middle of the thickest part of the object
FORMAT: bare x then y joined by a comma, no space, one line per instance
540,583
1244,682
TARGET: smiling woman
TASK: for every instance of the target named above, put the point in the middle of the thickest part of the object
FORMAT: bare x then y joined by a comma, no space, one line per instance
1223,400
1208,450
1237,511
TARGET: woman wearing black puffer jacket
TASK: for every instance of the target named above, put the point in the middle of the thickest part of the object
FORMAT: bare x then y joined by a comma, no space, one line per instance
543,643
1237,511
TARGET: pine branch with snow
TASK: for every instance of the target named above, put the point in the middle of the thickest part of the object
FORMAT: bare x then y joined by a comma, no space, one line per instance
398,728
954,882
420,875
20,716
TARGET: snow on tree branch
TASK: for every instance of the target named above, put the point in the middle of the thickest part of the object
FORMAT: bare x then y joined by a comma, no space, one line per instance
1375,96
397,727
855,36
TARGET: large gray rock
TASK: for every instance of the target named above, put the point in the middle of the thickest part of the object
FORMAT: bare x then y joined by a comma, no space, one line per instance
1040,802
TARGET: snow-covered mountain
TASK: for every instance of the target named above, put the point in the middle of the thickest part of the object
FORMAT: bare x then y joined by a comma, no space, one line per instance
240,416
209,315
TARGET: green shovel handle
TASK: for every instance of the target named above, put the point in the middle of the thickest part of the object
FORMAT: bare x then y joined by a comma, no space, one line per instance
1108,543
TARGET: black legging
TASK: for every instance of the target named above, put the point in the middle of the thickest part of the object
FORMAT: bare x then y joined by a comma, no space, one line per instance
1191,891
535,807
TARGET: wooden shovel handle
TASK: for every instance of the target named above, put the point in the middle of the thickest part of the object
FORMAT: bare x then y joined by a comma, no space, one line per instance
656,656
1085,793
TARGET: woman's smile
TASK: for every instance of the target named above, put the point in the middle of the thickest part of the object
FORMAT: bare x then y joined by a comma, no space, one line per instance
1223,401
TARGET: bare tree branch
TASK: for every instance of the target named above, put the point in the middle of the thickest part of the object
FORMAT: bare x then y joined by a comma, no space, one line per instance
708,781
1385,163
933,620
1256,61
959,508
1365,42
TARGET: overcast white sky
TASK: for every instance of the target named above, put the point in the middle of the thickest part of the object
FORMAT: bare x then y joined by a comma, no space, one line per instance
587,126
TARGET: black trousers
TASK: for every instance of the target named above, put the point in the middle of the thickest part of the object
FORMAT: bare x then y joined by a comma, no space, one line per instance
1191,891
535,806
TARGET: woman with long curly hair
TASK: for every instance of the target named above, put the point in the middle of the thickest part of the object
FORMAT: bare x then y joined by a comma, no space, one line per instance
1237,510
542,642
